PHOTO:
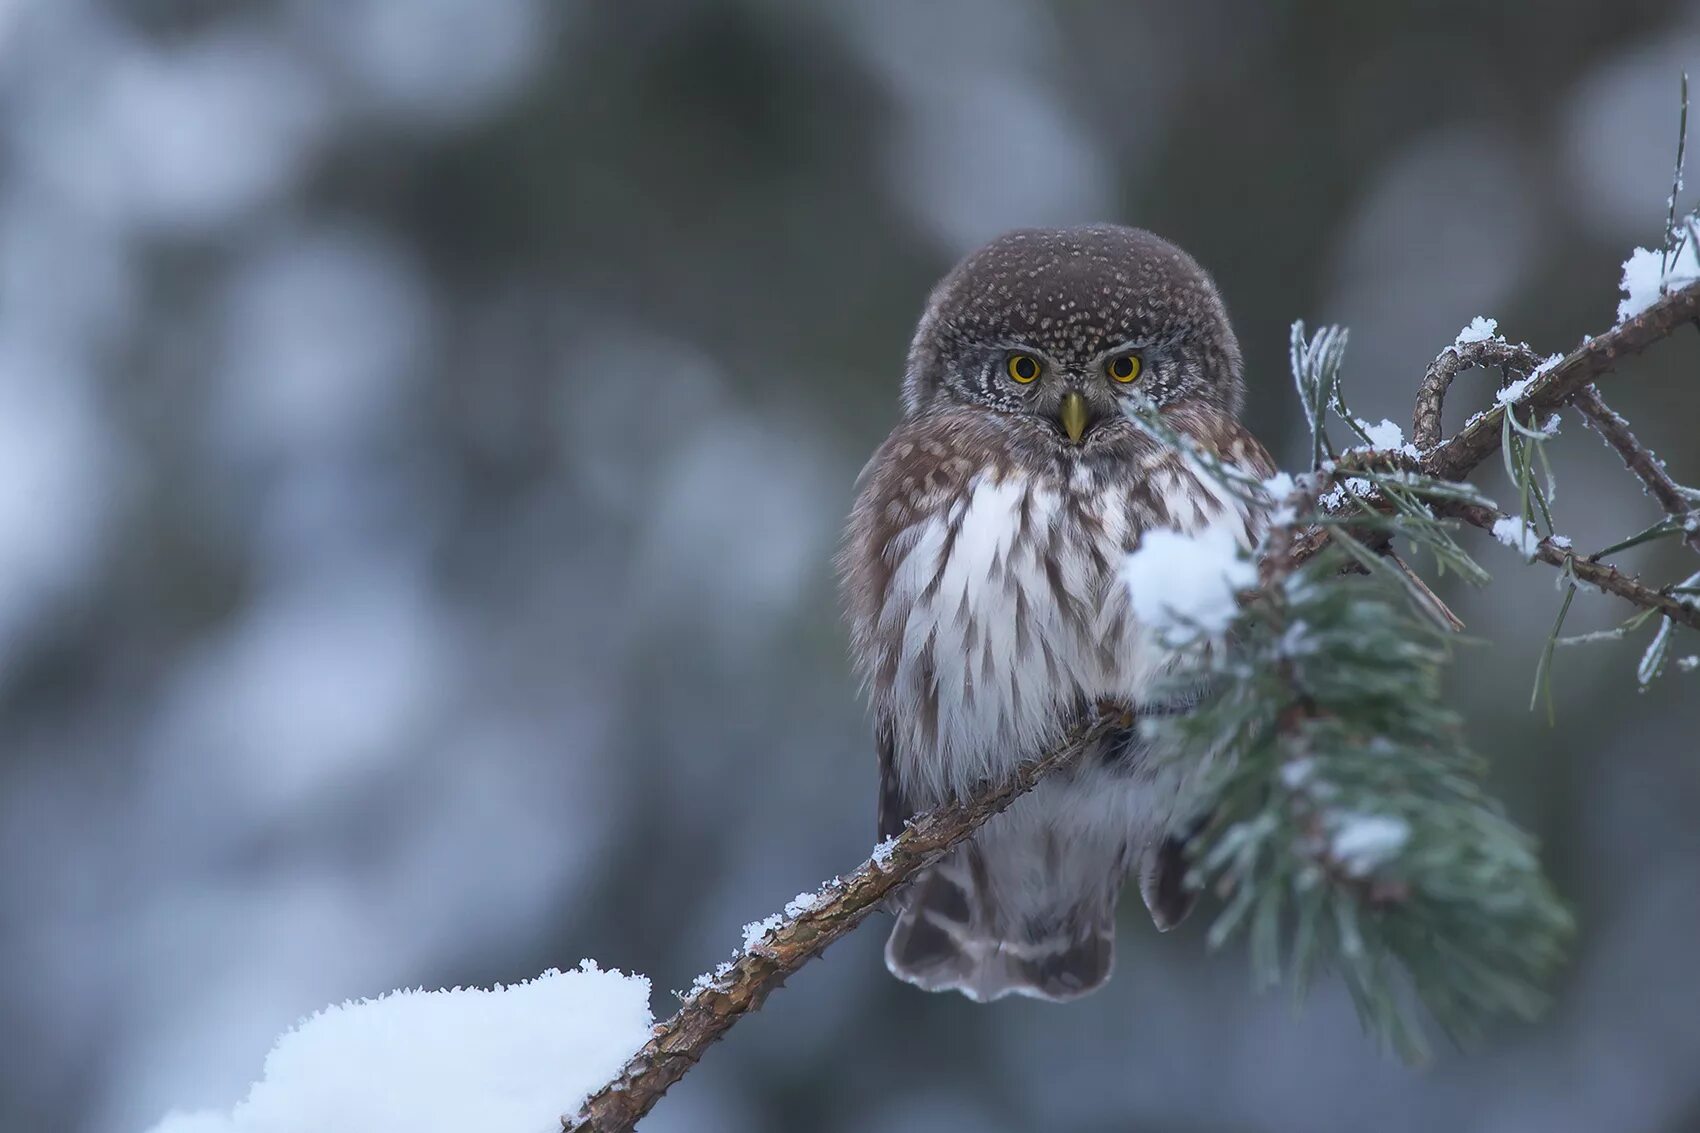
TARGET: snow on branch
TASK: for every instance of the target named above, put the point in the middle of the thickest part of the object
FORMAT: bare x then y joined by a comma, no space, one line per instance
1555,550
777,947
1475,346
1558,381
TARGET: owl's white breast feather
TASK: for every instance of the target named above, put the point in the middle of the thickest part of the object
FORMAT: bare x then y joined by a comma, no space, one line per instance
1012,616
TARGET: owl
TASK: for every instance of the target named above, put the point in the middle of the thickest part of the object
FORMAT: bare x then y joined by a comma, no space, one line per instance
981,574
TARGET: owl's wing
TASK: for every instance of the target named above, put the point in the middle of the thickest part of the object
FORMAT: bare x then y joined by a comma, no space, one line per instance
894,809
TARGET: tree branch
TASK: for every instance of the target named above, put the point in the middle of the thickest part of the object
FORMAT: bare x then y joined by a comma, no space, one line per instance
1553,386
743,985
1454,360
1602,575
1638,458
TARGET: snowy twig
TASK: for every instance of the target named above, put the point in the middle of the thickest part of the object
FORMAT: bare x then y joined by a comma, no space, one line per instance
1638,457
1553,386
1604,576
742,986
1454,360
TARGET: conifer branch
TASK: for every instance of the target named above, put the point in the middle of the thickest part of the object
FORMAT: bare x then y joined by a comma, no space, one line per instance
1550,387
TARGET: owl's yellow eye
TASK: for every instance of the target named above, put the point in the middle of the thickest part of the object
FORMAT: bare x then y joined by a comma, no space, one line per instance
1124,367
1023,368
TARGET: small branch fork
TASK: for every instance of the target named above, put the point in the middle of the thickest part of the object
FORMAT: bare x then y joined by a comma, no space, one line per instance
1602,576
1566,381
743,985
1555,385
1639,459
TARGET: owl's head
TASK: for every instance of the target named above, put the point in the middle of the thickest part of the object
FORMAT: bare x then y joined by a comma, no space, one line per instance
1055,327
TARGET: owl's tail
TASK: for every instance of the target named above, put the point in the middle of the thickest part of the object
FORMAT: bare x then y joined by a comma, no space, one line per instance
955,934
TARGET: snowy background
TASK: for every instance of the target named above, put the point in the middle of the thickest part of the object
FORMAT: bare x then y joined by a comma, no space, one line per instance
425,426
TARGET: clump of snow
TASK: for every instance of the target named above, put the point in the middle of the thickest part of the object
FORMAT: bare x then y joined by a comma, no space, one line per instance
706,980
507,1060
1480,330
1335,497
882,852
1562,542
1514,531
803,902
1514,390
1645,277
757,931
1384,435
1185,585
1279,486
1295,773
1363,842
1689,663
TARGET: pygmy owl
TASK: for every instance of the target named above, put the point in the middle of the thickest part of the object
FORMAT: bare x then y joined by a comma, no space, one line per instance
981,570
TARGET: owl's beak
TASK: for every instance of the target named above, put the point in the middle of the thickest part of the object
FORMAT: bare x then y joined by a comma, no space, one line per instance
1074,416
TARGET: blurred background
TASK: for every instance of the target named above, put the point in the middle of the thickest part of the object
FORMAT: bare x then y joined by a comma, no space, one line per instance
425,426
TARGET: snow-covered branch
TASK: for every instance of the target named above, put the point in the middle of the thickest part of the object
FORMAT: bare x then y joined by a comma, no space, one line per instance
1552,386
778,946
1476,346
1546,387
1555,550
